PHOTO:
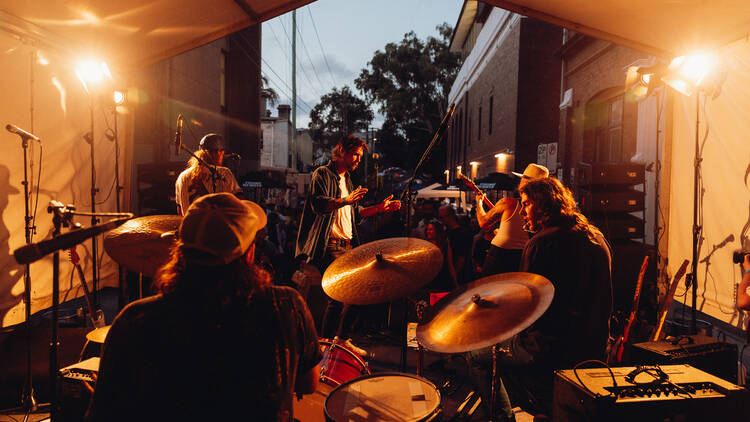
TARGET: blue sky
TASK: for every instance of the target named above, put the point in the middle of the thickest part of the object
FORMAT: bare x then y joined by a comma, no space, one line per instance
348,34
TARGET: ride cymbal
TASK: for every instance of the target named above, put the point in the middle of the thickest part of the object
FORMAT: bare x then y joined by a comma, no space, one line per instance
382,271
485,312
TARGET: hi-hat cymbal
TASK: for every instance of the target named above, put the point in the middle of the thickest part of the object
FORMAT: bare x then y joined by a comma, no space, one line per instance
98,335
382,271
485,312
143,244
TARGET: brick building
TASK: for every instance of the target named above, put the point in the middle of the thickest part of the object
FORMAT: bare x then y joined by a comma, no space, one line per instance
507,91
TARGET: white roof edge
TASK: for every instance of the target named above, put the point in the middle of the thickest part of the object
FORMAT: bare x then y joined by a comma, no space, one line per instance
495,30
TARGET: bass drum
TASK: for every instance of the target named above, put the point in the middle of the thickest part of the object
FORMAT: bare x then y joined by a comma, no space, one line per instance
389,396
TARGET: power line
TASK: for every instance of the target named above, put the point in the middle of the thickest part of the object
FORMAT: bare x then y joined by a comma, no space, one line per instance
269,67
330,72
298,58
307,52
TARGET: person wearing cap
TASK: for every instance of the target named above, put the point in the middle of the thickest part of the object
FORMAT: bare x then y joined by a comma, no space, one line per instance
327,227
218,341
504,253
197,180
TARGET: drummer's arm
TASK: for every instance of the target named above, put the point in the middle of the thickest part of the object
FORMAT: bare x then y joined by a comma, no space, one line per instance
307,382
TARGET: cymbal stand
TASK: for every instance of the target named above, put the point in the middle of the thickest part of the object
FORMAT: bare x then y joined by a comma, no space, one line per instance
493,387
409,195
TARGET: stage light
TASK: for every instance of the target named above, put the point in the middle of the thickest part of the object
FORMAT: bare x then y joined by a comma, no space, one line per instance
447,176
686,74
458,170
92,72
118,97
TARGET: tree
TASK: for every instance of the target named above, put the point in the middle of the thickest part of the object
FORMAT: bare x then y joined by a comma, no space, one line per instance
338,113
267,93
410,82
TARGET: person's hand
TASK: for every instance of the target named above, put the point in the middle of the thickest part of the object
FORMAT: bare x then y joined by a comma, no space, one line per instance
746,264
389,205
355,196
480,198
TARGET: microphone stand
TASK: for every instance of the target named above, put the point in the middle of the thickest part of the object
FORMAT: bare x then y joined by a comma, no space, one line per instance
27,398
34,251
409,194
212,169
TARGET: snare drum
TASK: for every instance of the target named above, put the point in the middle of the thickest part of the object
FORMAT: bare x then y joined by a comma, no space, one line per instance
339,364
389,396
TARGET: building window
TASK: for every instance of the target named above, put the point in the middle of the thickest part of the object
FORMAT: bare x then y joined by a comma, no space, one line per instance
223,80
479,124
489,118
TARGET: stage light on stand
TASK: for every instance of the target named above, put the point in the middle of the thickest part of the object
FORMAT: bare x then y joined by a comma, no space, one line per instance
447,174
458,170
92,72
118,97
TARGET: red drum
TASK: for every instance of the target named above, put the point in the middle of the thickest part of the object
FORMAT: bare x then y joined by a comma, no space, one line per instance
389,396
339,364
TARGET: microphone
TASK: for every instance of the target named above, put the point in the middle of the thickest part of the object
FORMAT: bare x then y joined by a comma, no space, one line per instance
178,136
20,132
233,156
36,251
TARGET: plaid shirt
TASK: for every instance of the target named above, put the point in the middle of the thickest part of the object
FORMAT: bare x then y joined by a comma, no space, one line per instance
315,226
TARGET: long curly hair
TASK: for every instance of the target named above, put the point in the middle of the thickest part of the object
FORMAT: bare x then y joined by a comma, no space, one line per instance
557,206
194,165
221,288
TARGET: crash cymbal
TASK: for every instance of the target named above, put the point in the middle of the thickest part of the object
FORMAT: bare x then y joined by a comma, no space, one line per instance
485,312
143,244
382,271
98,335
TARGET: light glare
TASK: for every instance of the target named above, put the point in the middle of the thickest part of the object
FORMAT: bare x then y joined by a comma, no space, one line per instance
118,97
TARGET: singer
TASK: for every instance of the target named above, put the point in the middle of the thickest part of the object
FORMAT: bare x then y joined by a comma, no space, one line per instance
197,180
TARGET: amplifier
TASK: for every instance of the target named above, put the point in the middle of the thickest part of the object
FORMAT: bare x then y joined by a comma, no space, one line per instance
624,200
74,396
617,226
683,394
611,174
706,353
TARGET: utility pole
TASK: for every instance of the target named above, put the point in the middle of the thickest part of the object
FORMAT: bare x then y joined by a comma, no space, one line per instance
294,90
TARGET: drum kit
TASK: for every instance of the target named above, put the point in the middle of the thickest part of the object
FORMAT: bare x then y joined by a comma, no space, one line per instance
481,314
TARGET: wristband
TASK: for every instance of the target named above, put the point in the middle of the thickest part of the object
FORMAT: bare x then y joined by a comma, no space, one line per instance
746,272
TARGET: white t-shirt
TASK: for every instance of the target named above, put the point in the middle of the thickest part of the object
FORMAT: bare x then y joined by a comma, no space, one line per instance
341,226
186,194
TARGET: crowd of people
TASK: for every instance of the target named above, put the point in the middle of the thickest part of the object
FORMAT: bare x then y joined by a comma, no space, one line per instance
240,274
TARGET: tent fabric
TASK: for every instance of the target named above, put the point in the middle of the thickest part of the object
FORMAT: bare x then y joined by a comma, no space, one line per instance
726,187
663,28
134,33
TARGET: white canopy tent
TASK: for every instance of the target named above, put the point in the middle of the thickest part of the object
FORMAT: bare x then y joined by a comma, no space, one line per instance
47,99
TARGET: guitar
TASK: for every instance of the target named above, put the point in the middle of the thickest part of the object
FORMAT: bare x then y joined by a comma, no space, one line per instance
664,307
97,318
468,182
633,312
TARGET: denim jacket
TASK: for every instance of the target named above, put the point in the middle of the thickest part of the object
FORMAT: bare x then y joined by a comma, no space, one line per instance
315,226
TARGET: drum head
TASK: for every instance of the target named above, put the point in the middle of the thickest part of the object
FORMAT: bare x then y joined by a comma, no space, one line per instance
383,397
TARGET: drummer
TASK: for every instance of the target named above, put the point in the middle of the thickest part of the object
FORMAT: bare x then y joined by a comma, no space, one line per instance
327,227
573,254
218,342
